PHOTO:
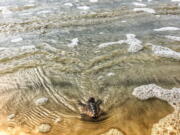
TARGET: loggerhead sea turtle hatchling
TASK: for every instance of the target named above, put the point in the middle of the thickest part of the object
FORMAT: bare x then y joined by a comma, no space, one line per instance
91,109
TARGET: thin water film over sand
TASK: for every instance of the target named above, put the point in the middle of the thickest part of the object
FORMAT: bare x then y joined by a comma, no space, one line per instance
90,67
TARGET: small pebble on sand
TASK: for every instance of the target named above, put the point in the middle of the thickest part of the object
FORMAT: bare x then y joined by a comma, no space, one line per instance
41,101
10,117
44,128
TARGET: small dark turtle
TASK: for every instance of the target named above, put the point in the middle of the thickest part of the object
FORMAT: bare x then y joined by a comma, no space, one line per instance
91,108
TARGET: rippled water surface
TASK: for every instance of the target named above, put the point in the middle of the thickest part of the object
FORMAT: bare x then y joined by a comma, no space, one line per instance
54,53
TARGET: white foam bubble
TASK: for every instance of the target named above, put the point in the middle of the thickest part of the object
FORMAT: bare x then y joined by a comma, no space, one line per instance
30,5
44,12
165,52
145,92
26,13
175,0
110,74
3,48
17,39
135,44
83,7
148,10
158,16
93,1
173,37
68,4
5,11
41,101
31,1
27,48
139,4
123,21
110,43
74,42
167,29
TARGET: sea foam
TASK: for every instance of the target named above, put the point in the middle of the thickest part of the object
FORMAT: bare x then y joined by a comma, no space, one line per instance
83,7
139,4
18,39
165,52
169,123
93,1
173,37
68,4
148,10
175,0
167,29
132,41
74,42
135,44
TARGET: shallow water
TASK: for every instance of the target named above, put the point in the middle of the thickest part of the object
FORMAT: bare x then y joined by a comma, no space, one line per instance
67,51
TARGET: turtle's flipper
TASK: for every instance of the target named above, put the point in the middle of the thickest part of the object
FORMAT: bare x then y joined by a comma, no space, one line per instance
98,102
80,103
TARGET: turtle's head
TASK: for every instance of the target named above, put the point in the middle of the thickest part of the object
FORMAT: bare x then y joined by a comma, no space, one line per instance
91,100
